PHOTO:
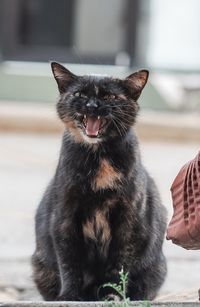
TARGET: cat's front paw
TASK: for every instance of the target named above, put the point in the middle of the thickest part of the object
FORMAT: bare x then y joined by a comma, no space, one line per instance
113,297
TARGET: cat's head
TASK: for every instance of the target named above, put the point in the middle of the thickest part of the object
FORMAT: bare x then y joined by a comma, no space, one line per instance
94,108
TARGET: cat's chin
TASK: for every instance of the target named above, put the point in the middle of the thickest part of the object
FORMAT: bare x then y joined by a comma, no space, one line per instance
90,140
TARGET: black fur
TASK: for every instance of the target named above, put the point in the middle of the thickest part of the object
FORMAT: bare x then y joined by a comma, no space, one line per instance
101,210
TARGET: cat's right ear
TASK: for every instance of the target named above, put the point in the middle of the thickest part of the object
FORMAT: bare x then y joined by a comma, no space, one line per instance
63,76
137,82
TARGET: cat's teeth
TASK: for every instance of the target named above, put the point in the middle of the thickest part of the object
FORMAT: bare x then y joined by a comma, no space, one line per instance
98,117
84,116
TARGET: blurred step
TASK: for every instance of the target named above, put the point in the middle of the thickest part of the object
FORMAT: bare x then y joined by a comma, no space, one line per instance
42,118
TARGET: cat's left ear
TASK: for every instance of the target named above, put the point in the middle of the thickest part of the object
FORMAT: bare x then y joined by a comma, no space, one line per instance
137,82
63,76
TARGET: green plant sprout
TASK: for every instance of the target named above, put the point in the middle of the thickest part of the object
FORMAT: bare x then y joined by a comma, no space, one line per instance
121,292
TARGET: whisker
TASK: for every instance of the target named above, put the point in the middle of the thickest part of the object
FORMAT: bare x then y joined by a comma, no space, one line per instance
126,111
122,126
115,124
124,117
128,120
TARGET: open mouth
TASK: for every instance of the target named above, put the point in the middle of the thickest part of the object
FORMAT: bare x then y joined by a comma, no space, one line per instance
93,125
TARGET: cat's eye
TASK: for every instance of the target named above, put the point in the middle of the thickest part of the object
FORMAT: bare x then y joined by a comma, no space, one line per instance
110,97
113,96
80,94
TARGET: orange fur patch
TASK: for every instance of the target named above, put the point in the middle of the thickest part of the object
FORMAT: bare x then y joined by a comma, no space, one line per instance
74,131
88,230
106,177
102,224
98,230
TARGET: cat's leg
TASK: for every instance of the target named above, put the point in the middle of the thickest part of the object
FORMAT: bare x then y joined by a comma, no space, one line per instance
106,291
119,256
69,265
45,277
145,284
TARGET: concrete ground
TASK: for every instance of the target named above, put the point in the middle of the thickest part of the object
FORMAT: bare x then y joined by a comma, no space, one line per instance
27,162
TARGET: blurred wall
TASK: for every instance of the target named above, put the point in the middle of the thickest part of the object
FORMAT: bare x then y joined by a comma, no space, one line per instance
174,41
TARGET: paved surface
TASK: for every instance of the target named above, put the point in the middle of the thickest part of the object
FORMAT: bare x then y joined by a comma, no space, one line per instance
26,165
98,304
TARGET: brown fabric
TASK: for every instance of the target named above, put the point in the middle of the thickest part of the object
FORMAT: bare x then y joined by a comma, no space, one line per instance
184,227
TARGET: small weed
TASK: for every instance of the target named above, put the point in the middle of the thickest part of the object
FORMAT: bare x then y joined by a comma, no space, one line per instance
121,292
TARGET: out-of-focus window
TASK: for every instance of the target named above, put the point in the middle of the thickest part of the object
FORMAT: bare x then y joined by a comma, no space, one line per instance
83,31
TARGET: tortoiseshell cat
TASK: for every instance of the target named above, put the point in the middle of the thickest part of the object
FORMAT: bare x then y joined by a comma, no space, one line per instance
101,210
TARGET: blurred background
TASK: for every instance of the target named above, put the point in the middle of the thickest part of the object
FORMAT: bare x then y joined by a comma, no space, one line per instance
112,37
126,34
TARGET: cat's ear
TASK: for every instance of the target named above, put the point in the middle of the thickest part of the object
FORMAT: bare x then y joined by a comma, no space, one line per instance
63,76
137,82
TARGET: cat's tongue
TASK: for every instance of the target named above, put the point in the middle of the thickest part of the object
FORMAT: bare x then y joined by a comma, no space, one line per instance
92,126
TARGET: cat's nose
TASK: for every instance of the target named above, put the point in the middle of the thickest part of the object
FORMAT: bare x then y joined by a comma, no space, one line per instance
92,104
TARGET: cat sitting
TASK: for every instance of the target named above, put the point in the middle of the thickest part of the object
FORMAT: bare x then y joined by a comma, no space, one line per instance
101,211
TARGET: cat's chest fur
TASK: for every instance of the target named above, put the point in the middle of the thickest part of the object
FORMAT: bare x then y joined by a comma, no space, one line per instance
100,169
106,177
96,227
94,180
97,231
97,179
